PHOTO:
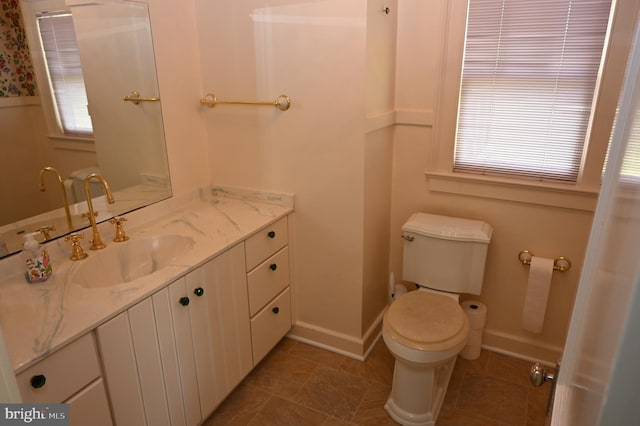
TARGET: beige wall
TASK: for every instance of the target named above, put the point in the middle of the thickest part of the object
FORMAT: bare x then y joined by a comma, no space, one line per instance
26,149
180,84
313,52
355,179
20,133
547,230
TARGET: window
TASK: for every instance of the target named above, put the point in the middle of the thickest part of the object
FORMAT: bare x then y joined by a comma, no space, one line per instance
63,66
529,76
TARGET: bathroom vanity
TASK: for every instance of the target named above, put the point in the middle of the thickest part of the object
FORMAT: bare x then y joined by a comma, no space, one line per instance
165,346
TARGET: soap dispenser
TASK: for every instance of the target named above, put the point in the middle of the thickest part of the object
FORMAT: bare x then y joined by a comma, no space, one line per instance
36,260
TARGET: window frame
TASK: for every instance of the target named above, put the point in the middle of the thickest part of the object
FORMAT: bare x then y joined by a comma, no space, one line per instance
57,102
59,140
581,195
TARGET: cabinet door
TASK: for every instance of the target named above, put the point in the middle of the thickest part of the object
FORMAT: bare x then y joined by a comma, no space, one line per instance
183,344
150,372
220,326
169,356
120,371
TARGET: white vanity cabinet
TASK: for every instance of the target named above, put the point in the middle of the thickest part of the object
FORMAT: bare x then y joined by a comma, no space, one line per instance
219,316
267,254
172,358
70,375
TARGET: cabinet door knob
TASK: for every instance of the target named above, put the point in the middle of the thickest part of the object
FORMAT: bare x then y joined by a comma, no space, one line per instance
38,381
273,266
198,291
272,234
275,310
184,301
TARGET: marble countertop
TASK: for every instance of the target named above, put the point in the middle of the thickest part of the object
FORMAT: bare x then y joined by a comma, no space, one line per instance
37,319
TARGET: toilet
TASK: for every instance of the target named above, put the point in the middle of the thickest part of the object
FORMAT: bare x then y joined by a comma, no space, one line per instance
74,185
426,329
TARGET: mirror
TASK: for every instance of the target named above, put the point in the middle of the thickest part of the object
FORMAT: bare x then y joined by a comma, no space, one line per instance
127,146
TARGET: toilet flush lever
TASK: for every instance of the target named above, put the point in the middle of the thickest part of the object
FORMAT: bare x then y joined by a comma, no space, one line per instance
408,237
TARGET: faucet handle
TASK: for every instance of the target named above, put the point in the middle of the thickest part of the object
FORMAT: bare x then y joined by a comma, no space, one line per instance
45,230
120,235
76,249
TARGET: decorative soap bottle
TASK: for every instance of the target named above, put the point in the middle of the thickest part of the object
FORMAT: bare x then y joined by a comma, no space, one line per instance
37,260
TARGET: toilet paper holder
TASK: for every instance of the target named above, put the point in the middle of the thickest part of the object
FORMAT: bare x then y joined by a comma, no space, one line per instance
559,263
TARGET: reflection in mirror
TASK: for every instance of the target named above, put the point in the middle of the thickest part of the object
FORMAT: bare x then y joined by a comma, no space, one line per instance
125,142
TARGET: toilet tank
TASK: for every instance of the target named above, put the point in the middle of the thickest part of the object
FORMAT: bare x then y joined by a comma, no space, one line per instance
445,253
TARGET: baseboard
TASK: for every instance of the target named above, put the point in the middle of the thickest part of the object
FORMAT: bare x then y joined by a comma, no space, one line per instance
343,344
358,348
521,347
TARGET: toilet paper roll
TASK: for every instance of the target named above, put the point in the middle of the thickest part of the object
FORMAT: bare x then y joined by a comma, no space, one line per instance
399,290
535,303
474,345
476,312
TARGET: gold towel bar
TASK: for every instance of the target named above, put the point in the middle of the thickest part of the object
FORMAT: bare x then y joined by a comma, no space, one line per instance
282,102
559,263
136,98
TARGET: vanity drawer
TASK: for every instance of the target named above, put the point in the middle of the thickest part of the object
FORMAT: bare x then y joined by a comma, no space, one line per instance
270,325
90,406
64,372
267,280
266,242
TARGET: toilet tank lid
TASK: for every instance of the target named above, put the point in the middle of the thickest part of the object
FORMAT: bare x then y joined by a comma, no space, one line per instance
448,228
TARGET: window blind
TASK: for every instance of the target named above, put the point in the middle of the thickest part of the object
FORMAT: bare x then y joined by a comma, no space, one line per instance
529,75
62,59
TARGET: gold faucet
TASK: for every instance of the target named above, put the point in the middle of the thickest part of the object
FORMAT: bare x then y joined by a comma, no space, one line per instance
65,200
96,242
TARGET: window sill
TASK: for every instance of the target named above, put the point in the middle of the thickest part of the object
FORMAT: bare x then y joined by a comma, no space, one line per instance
545,194
73,143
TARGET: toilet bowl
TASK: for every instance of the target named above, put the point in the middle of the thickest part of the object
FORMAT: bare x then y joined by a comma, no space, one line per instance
426,329
425,332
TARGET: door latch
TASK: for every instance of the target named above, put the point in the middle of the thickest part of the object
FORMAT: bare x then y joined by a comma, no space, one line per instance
539,376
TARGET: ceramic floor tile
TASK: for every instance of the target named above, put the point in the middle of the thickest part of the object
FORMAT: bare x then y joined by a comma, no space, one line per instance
333,392
450,416
508,368
239,408
332,421
298,384
377,367
281,374
280,412
312,353
475,366
496,399
371,410
537,399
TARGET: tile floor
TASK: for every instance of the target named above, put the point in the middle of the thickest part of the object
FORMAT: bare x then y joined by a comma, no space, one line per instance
298,384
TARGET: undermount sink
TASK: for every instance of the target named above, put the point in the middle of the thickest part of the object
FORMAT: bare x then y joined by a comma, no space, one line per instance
124,262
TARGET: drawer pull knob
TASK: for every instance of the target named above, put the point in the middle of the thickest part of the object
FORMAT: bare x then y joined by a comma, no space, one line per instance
275,310
198,291
273,266
272,234
184,301
38,381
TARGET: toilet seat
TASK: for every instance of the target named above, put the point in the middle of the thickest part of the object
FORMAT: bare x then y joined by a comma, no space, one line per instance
426,323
